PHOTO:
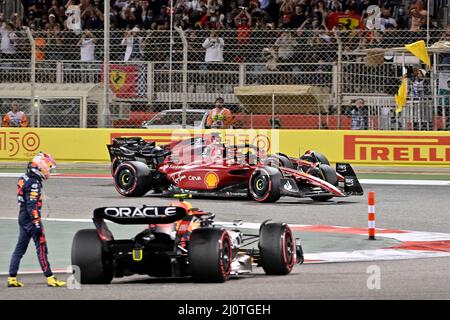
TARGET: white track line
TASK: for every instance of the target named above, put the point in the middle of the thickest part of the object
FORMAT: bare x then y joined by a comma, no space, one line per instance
328,257
397,182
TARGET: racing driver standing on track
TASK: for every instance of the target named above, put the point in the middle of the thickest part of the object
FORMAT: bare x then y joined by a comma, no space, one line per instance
30,203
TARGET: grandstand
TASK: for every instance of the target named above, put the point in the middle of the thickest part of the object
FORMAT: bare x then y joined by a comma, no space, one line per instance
53,51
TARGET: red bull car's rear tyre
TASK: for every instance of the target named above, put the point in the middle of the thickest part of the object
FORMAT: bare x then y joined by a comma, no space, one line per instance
277,248
132,179
89,255
210,255
264,184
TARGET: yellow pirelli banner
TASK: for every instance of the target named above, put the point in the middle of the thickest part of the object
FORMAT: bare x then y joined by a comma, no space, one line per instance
357,147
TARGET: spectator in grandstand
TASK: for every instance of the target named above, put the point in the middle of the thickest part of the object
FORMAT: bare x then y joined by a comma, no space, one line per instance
386,21
54,44
243,22
298,17
146,15
335,6
359,115
133,42
214,47
417,83
285,43
73,14
87,46
52,22
418,16
92,19
268,62
162,19
275,123
8,42
15,117
219,117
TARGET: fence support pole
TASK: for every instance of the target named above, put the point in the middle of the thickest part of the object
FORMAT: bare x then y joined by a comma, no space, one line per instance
33,76
185,77
84,112
273,110
435,83
150,81
338,100
106,112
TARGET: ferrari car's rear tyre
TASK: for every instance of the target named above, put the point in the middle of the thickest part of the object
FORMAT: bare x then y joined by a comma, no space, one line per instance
210,255
114,164
277,248
278,160
89,255
330,176
132,179
264,184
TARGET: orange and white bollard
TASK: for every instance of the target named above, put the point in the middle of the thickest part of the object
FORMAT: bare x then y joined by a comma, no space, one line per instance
371,211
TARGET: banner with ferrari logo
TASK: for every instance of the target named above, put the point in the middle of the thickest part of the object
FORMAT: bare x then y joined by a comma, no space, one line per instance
123,80
348,21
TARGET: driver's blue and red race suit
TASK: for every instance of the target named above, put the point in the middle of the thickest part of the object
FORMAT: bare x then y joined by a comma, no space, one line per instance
29,196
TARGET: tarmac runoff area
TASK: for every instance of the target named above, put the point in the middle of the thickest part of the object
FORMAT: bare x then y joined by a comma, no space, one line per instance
331,232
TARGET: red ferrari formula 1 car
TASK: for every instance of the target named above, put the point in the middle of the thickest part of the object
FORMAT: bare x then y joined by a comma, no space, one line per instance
206,166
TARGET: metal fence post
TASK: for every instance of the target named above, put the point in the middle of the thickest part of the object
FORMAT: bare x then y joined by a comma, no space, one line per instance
242,74
33,76
434,83
150,81
106,112
59,72
273,110
339,79
185,78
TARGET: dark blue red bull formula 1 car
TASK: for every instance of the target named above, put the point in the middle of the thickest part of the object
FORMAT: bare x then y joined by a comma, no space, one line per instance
207,166
180,241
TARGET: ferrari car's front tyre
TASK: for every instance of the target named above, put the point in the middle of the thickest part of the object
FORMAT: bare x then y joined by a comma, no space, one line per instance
277,248
89,255
278,160
264,184
317,157
330,176
210,255
132,179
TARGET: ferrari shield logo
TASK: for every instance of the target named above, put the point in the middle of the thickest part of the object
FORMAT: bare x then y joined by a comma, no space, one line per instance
211,180
349,22
118,78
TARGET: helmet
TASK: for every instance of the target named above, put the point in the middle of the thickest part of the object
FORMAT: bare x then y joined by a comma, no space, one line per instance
42,164
182,204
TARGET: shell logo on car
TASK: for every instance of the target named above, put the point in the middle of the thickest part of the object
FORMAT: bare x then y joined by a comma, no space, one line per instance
211,180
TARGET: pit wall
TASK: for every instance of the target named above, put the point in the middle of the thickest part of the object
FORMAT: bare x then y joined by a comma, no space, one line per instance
378,148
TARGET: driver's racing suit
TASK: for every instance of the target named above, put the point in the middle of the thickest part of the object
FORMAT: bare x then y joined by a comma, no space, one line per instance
29,196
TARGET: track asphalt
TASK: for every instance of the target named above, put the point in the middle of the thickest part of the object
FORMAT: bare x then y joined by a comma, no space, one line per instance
406,207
